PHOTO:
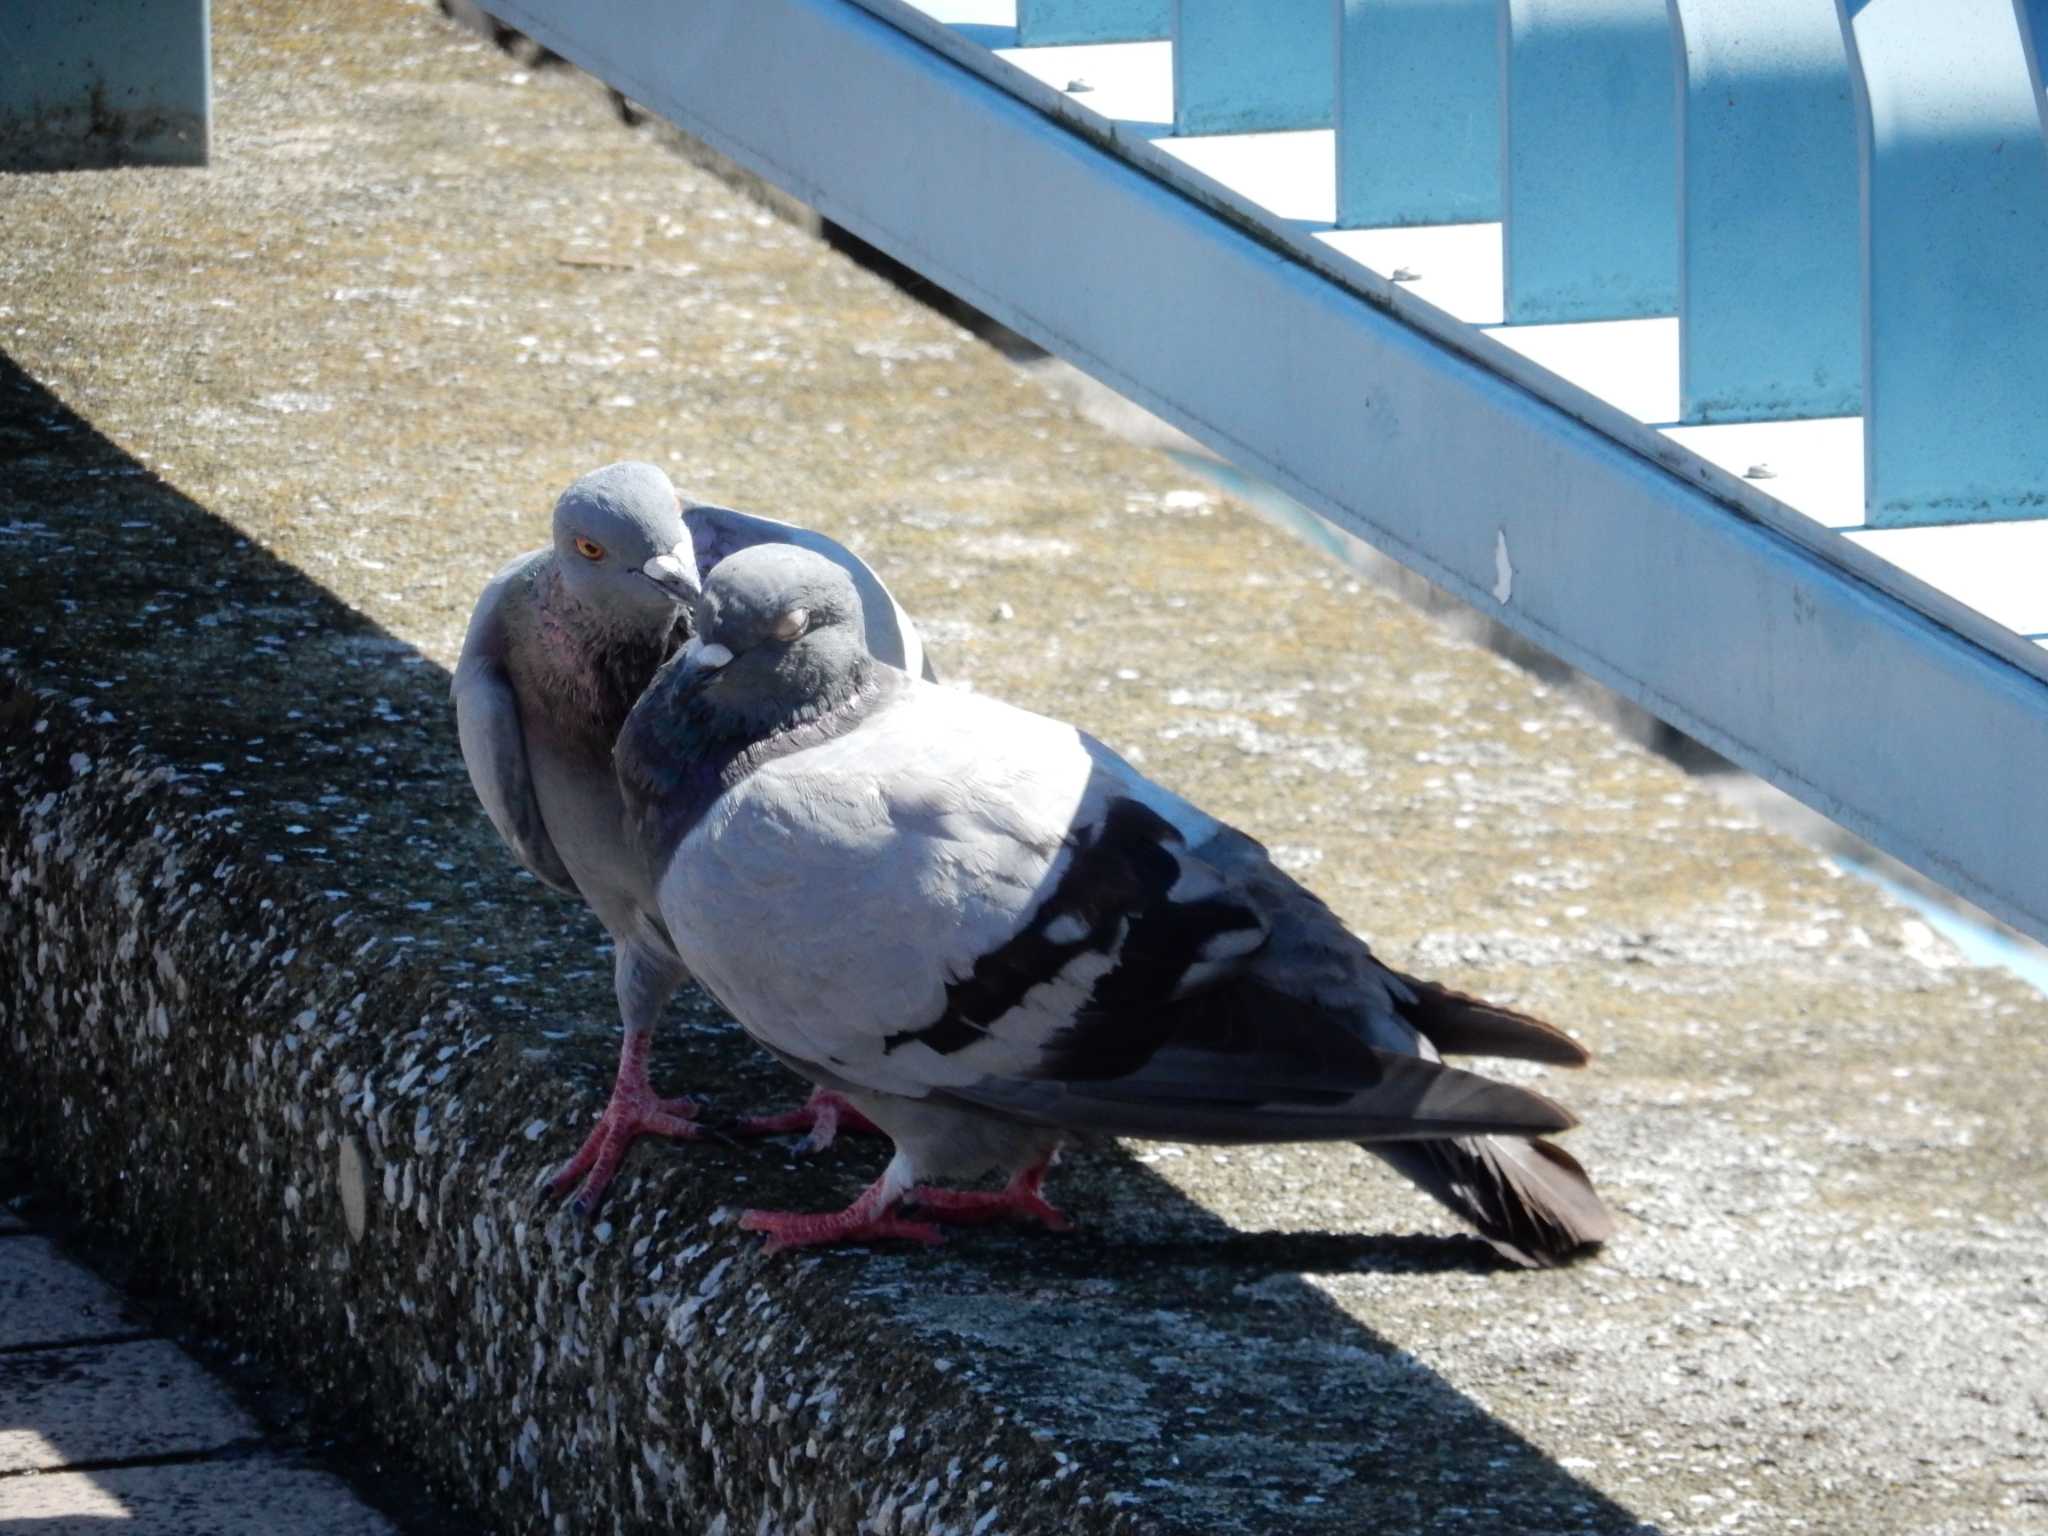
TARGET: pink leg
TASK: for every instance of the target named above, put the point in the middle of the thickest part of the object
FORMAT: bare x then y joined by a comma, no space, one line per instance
866,1220
824,1114
634,1111
1019,1200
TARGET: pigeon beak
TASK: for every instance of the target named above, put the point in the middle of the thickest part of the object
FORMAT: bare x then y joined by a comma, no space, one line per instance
698,661
673,575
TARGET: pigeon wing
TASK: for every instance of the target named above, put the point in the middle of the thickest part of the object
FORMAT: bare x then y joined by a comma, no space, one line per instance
487,724
1231,1004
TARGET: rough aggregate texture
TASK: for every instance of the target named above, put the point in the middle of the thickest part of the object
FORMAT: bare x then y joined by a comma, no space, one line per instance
267,428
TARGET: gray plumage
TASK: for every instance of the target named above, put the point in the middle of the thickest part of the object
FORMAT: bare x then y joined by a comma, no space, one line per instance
989,931
560,645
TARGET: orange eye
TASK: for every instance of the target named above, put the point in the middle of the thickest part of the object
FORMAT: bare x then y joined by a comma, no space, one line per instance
589,549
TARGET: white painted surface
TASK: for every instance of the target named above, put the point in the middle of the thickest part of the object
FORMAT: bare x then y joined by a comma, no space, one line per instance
1127,82
1816,466
1631,364
1999,569
969,13
1456,267
1289,175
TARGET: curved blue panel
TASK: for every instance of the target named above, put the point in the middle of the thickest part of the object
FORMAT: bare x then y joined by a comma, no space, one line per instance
1769,281
2033,19
1418,112
1589,160
1955,224
1253,66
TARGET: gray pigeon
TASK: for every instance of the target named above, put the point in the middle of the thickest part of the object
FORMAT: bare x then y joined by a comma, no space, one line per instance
562,642
988,932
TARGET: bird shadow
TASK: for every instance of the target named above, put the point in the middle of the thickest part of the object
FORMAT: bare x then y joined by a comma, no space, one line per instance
1227,1378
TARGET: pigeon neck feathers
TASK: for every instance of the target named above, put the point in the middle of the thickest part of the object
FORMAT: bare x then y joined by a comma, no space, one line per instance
680,748
595,663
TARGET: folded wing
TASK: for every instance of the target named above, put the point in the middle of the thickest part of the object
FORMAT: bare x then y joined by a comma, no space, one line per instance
487,724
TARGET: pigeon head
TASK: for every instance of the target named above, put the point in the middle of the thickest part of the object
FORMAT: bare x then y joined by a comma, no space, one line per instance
621,546
779,634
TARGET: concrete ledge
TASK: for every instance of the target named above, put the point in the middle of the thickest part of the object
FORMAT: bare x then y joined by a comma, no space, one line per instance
206,1032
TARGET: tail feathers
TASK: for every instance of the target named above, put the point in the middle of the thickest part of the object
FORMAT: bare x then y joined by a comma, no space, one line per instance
1190,1093
1459,1024
1529,1199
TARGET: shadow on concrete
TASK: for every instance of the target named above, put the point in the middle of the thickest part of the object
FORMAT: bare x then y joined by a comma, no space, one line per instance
1195,1366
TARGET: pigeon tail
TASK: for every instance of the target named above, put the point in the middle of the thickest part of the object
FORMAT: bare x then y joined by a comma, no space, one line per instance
1286,1092
1459,1024
1529,1199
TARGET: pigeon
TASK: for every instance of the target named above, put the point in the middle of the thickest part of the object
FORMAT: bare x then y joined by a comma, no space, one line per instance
990,933
562,642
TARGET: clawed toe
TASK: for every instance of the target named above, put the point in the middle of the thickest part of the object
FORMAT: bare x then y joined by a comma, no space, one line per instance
872,1217
626,1118
801,1229
824,1115
978,1207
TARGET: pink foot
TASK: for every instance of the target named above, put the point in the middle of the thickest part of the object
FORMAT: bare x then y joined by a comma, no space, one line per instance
634,1111
824,1114
867,1220
1019,1200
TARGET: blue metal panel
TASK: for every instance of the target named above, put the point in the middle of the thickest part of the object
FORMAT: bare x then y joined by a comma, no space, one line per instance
2033,19
87,83
1418,112
1253,66
1770,289
1042,22
1589,157
1955,227
1772,641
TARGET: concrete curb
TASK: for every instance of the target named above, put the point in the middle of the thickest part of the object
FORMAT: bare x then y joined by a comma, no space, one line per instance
208,1047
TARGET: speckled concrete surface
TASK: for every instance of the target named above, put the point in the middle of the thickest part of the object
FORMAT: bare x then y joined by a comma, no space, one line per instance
267,428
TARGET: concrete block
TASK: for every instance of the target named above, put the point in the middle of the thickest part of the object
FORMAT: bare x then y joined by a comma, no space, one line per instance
46,1299
110,1402
252,1496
